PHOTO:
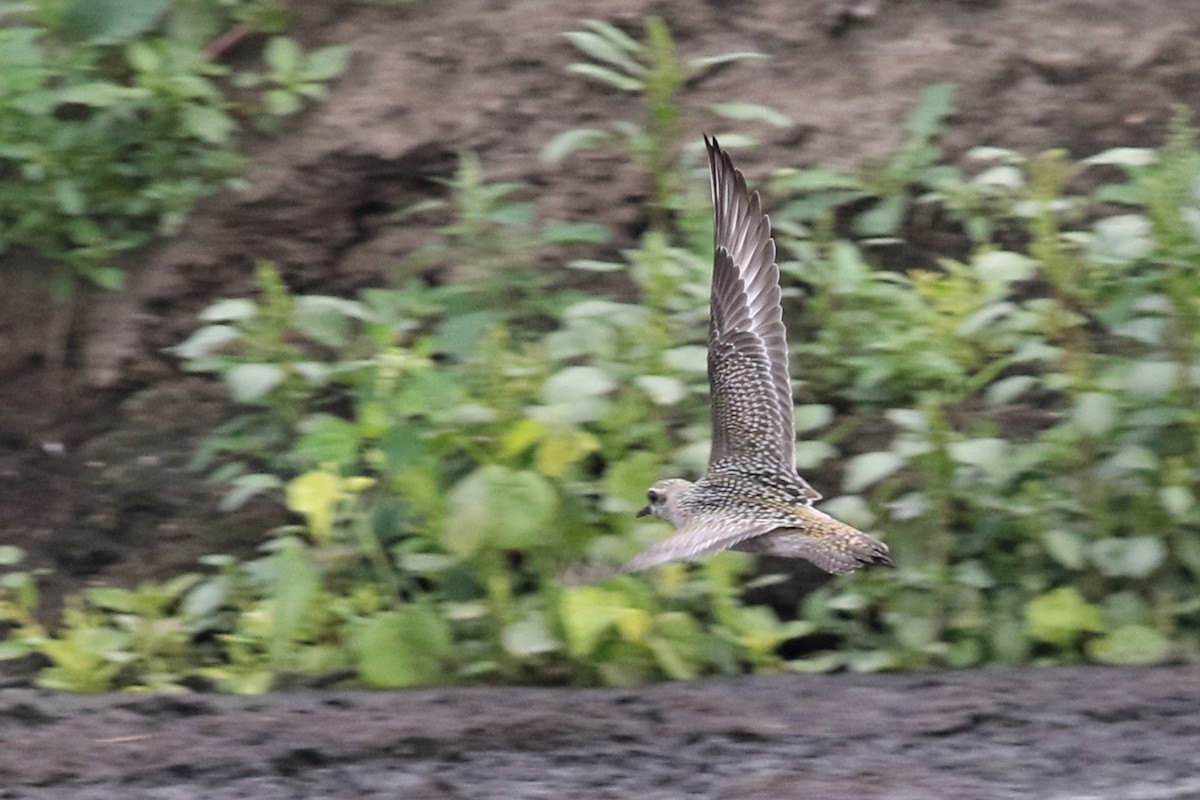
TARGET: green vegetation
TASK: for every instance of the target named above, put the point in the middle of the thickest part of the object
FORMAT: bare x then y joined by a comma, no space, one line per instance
464,472
116,117
653,71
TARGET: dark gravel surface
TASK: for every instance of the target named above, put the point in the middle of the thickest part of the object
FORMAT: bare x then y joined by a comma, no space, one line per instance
1061,734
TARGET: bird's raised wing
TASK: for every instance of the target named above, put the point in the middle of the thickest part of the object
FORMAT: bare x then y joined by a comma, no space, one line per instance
753,431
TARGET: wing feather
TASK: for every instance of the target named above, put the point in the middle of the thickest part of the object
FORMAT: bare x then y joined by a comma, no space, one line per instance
701,535
747,350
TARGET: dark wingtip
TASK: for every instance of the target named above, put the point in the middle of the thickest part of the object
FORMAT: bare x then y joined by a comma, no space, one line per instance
881,560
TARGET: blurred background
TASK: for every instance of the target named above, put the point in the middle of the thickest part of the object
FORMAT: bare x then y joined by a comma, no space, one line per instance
340,341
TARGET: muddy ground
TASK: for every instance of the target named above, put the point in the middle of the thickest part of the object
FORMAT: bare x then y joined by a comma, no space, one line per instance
1054,734
94,482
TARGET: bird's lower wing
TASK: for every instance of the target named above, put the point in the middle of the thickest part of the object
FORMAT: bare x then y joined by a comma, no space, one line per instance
697,538
838,549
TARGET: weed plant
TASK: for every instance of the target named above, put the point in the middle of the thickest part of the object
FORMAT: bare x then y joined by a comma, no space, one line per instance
652,70
1021,427
115,118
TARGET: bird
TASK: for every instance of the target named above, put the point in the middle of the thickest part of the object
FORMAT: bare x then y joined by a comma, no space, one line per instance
750,498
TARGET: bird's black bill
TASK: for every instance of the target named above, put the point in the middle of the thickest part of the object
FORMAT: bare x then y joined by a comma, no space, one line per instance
645,512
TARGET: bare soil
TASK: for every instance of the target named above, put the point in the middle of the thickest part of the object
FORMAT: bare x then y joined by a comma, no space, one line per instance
1054,734
94,481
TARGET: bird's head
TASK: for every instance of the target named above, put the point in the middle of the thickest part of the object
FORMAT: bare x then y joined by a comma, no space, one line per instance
664,499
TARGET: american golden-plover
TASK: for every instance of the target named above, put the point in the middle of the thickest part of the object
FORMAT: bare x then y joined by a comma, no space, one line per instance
750,498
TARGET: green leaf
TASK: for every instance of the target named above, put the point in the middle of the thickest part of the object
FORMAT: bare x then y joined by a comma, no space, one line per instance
111,21
316,494
1177,501
1003,266
70,199
663,390
402,447
1130,645
882,220
815,179
1004,176
1061,616
935,104
704,62
1152,379
208,124
529,637
1187,548
1095,414
430,392
206,599
605,49
111,278
573,384
751,112
1064,547
1133,557
15,648
283,54
870,468
281,103
1131,458
499,508
592,265
607,76
460,335
1122,239
11,555
246,486
143,57
1006,390
113,599
812,416
982,452
329,440
231,310
615,35
1125,194
560,448
568,142
296,585
206,341
909,419
402,648
1124,157
251,382
327,63
325,319
576,233
516,215
673,664
586,613
687,358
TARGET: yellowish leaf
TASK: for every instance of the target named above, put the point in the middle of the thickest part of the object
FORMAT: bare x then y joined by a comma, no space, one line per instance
315,494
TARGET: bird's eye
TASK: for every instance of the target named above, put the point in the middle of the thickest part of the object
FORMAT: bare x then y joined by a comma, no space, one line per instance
653,496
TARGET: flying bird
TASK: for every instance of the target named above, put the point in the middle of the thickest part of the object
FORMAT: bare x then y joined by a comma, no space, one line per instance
750,498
